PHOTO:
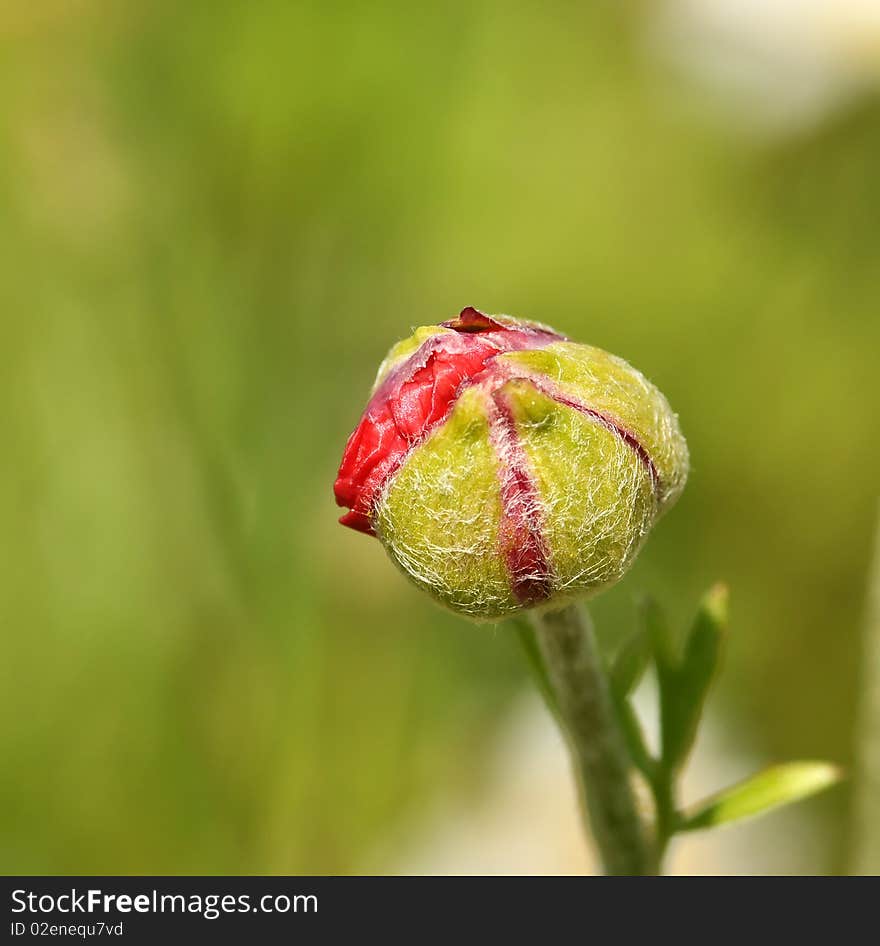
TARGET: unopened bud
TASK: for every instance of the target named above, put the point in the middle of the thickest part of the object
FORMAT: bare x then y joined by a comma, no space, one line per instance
503,466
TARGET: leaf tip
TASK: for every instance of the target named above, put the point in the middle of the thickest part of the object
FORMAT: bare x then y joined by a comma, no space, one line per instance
772,788
715,603
821,775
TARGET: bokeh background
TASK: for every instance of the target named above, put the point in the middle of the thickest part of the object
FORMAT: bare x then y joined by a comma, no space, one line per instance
215,218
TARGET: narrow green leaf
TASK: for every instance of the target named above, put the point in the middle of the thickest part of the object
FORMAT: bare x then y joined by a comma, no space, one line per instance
683,689
776,786
526,635
630,662
657,629
633,736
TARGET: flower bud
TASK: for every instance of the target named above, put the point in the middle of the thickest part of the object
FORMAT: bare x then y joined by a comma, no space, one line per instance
503,466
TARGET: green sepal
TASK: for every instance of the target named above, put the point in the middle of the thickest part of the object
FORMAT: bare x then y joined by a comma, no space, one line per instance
762,792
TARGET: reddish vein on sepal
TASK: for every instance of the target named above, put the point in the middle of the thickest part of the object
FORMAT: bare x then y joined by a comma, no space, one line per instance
521,532
627,436
550,390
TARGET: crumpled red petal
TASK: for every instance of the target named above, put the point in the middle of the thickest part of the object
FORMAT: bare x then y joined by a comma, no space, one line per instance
416,397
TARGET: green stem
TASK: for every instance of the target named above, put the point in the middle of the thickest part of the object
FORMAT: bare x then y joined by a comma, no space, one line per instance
604,771
663,788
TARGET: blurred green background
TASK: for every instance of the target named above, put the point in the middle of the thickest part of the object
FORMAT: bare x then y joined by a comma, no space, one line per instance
214,220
